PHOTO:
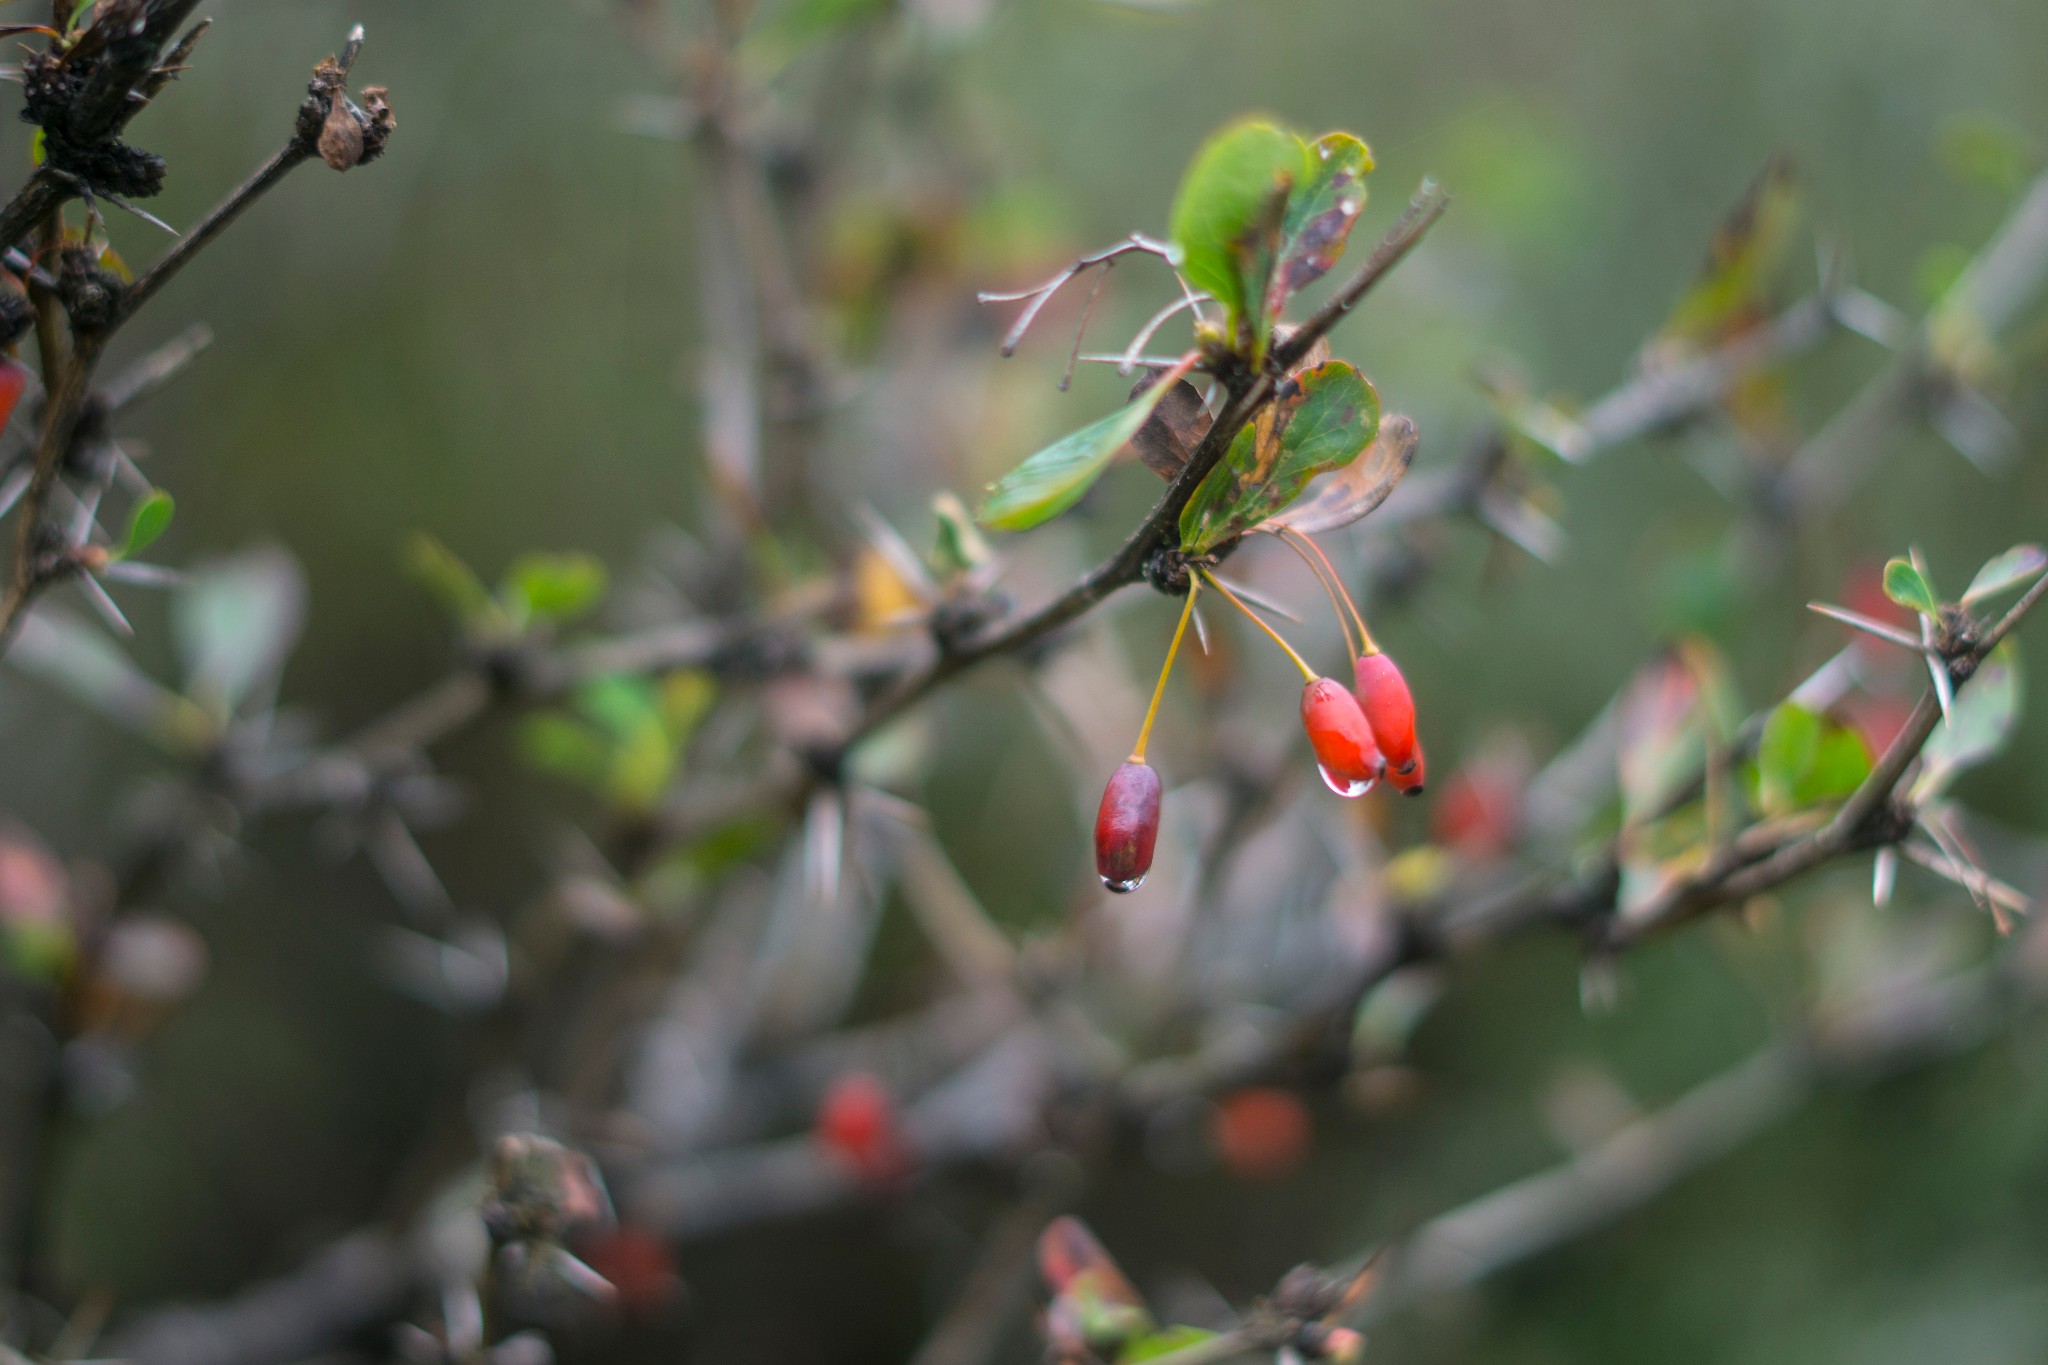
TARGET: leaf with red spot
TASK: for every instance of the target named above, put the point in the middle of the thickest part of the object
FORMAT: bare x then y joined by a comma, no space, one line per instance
1331,415
1320,214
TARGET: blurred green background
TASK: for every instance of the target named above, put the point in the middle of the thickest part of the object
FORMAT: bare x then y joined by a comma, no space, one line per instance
486,336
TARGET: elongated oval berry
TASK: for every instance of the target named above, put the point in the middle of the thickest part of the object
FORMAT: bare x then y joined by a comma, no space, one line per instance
13,381
1337,730
1389,708
1410,782
1127,826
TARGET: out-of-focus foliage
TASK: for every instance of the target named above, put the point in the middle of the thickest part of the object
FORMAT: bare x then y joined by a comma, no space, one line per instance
489,345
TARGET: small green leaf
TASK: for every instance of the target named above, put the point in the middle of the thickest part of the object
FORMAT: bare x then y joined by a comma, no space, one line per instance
1785,754
621,704
1332,415
1904,585
150,519
1163,1343
1320,213
448,578
1054,479
1748,253
553,587
959,547
1228,216
567,748
2009,570
36,148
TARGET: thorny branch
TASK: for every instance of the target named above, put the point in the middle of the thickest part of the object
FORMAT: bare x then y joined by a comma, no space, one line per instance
994,1110
95,304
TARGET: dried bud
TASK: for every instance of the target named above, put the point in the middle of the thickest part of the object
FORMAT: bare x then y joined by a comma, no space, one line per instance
540,1190
341,136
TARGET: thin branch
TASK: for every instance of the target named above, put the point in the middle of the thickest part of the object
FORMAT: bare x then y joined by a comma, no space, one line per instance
281,163
1042,294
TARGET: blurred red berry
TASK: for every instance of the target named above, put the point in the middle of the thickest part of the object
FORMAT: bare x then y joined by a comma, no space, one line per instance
858,1121
1389,708
1261,1133
1479,813
1127,826
638,1264
1341,737
13,381
1877,719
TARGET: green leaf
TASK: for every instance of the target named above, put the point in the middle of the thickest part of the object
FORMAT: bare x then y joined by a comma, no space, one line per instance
959,547
1163,1343
1320,213
1785,754
1331,416
1054,479
553,587
1228,215
36,148
1839,766
622,705
1905,585
1747,256
448,578
2008,570
567,748
1804,759
150,519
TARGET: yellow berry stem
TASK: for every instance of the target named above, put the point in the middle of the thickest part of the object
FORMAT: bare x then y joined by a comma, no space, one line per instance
1187,610
1308,674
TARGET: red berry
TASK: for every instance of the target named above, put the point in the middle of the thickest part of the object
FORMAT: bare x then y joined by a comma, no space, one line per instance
1342,738
639,1266
858,1121
1479,813
1127,826
1410,782
1261,1133
1389,708
13,380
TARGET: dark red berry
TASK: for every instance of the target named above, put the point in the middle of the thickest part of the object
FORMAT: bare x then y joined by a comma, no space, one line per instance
1389,708
1127,826
1338,732
858,1121
13,381
1410,782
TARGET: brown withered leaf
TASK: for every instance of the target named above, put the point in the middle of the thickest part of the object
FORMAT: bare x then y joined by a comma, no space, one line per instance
1174,429
1360,486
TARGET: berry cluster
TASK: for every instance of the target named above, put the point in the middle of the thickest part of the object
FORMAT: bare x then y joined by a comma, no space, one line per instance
1359,734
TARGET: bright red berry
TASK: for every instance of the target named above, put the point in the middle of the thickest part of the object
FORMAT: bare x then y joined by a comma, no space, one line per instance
858,1121
1389,708
1127,826
1261,1133
1342,738
1410,782
13,381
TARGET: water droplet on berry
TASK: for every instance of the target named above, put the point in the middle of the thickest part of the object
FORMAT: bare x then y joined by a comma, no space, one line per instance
1347,788
1129,884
